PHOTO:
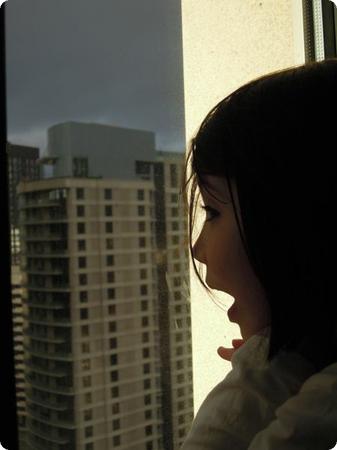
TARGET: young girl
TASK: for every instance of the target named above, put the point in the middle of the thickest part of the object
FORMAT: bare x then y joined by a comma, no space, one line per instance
264,162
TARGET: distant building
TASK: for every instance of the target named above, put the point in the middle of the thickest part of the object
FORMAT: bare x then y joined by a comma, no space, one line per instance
109,356
22,166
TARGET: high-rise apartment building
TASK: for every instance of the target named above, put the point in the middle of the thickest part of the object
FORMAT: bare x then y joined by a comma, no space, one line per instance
108,329
22,166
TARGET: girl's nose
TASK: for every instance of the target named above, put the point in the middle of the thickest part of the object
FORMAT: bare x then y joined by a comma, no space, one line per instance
197,251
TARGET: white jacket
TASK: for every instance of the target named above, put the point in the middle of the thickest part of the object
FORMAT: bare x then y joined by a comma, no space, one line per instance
282,405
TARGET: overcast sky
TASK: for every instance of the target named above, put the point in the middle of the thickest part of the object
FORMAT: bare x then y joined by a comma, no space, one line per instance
117,63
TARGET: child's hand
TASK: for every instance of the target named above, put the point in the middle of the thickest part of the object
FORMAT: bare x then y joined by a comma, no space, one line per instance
226,353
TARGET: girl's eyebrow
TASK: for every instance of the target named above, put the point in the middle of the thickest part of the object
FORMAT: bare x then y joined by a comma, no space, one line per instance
207,187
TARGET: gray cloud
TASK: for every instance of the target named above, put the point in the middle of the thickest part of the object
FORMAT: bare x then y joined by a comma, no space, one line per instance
118,63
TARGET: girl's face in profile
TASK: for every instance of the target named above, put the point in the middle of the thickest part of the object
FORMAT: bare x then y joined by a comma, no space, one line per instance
220,248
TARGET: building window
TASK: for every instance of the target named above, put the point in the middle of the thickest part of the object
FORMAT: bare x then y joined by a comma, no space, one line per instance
173,175
82,279
116,440
143,273
88,414
146,352
82,262
114,392
80,167
145,337
147,399
148,414
141,210
116,424
86,381
113,360
142,242
88,431
143,289
114,376
111,293
86,347
144,305
107,194
113,343
110,277
140,194
110,260
108,227
108,210
148,430
83,296
79,193
115,408
88,398
81,228
80,210
112,327
141,226
146,368
174,212
142,258
147,384
81,245
112,309
145,321
85,330
89,446
109,243
84,313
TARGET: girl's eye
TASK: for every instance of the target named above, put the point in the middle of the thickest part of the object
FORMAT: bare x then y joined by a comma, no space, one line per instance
210,210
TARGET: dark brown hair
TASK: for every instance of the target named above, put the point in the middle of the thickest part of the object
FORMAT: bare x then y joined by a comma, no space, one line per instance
275,136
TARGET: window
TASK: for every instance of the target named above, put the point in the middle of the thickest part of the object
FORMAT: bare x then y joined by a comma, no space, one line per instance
114,376
114,392
79,193
143,273
144,305
140,194
113,360
115,408
148,430
85,347
81,228
112,327
82,279
116,424
142,242
86,381
110,276
142,258
80,211
145,321
147,384
107,194
85,330
109,243
82,262
81,245
108,227
141,210
84,313
108,210
88,431
113,343
146,368
80,167
141,226
88,414
83,296
112,309
143,289
109,260
116,440
146,352
147,399
111,293
173,175
88,398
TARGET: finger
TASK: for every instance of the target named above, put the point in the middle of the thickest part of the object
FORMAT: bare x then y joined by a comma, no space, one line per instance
226,353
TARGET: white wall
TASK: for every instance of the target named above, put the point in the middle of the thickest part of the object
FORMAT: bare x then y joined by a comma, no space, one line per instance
227,43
